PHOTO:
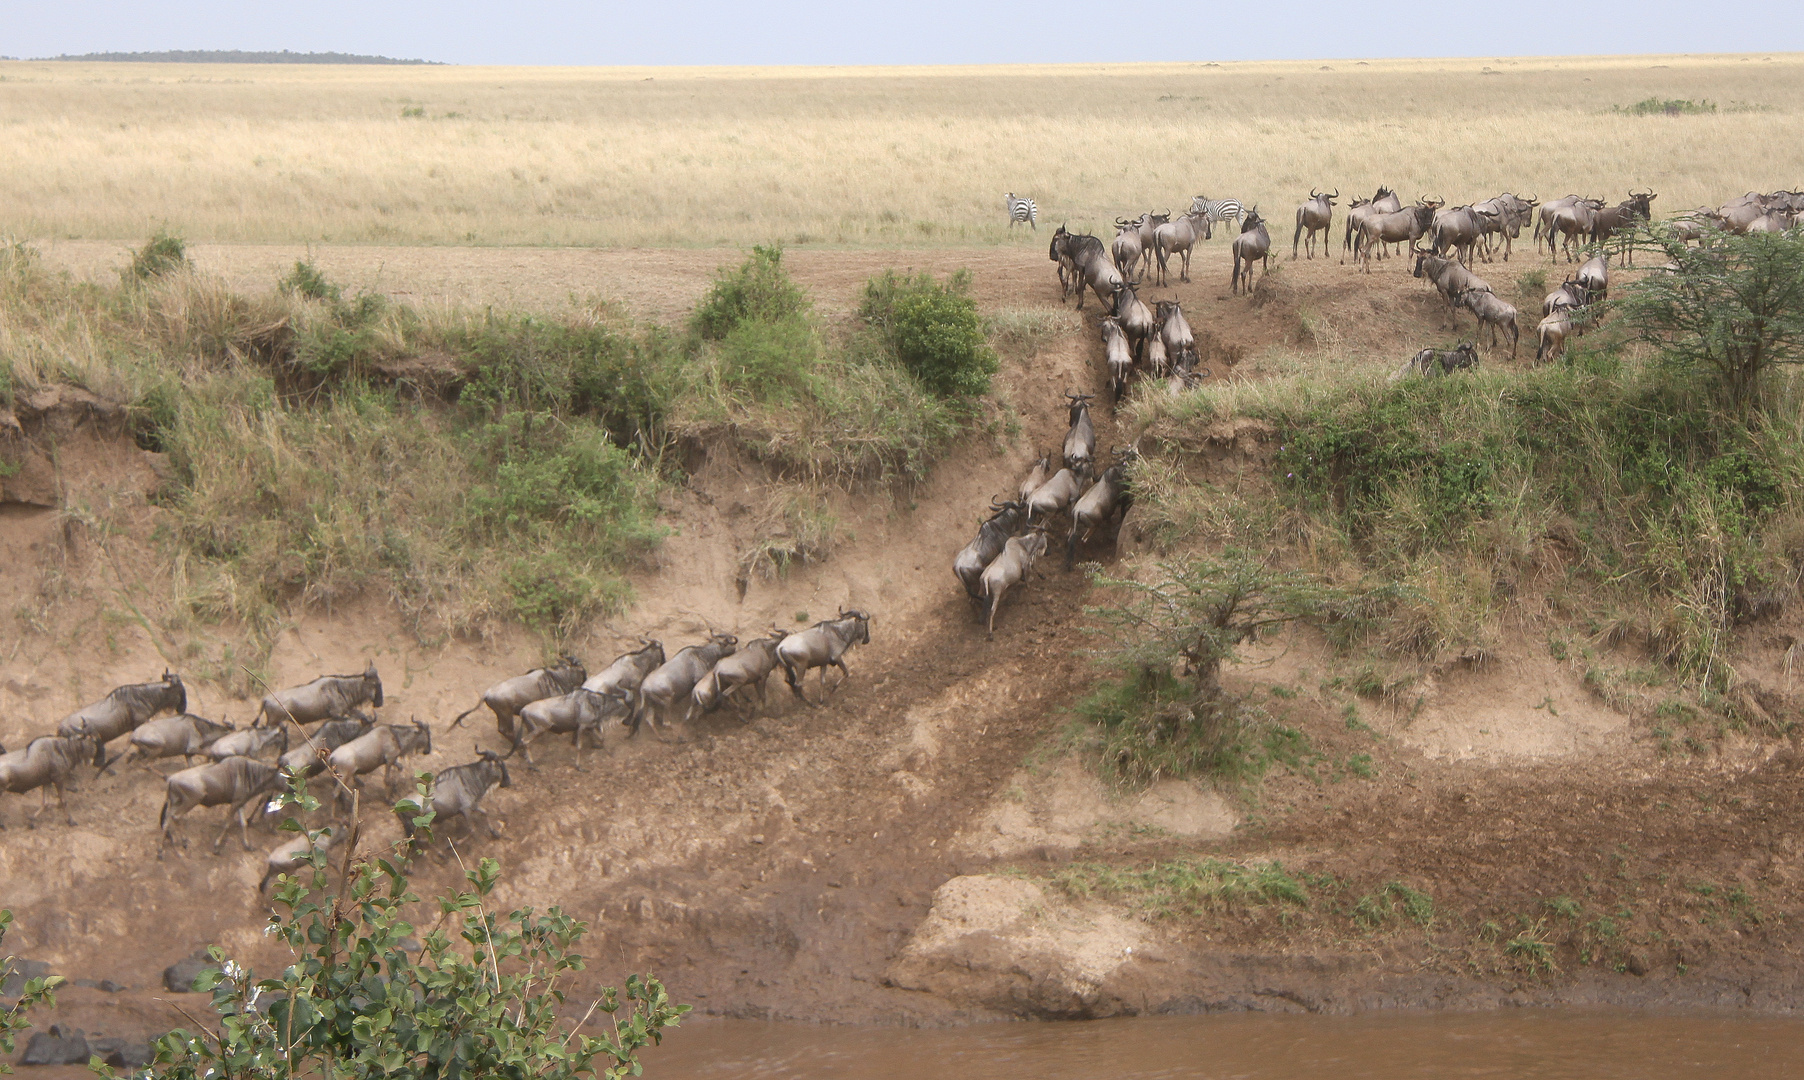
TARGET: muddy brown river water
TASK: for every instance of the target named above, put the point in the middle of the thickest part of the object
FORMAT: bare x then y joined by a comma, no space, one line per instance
1528,1043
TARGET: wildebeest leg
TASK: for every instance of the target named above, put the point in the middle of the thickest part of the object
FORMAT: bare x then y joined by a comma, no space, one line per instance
845,673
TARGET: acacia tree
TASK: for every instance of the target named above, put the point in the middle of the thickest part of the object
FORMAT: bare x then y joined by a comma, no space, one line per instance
1732,310
1168,715
482,998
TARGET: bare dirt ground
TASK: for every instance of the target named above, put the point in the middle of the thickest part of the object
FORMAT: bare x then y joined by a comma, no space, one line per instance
782,868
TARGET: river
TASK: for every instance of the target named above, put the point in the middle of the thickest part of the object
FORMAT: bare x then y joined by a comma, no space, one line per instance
1524,1043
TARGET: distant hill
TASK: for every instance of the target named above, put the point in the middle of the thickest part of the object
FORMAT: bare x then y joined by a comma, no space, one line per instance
238,56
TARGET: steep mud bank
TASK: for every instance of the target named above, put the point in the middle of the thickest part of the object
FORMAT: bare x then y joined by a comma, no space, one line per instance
894,854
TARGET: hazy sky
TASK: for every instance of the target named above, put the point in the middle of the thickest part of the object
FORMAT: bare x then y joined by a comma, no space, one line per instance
921,32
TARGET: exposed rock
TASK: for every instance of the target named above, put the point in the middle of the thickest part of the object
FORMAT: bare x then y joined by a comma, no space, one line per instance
1002,943
179,977
57,1046
21,972
121,1053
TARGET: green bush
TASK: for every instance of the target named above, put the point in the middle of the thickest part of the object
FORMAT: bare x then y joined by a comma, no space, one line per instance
159,255
307,280
770,360
933,330
760,290
1658,106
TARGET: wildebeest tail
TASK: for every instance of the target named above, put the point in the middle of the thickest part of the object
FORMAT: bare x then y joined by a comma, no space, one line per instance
460,716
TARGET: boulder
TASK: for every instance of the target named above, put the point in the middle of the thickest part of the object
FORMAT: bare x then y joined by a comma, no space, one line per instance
178,978
58,1046
12,984
121,1053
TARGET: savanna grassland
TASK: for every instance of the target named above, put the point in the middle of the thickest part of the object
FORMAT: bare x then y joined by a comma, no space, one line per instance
915,156
1485,682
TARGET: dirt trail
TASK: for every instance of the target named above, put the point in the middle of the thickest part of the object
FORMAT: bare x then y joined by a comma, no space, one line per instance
779,869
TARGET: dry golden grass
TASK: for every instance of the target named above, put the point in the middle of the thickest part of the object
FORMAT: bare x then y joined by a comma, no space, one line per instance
921,156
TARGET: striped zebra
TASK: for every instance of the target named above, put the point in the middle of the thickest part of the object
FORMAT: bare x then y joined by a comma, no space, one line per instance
1021,210
1217,209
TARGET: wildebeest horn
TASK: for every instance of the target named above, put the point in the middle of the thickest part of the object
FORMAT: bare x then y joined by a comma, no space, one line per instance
1336,194
1313,193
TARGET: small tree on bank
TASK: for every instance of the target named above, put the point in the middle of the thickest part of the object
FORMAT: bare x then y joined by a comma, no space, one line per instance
1168,714
476,995
1731,311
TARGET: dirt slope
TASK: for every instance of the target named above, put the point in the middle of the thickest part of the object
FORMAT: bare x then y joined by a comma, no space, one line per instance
782,868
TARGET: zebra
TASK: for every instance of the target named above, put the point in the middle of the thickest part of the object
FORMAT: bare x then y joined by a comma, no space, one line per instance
1218,209
1021,210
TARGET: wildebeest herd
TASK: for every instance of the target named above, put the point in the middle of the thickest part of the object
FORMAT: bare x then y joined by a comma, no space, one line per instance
1157,342
328,728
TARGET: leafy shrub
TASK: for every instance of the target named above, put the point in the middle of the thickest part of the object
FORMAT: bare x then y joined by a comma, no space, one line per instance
366,993
933,329
159,255
309,281
760,290
770,360
1658,106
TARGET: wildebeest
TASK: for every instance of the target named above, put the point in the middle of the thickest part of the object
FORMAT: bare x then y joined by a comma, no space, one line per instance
1120,361
1451,279
1080,438
1056,495
1504,217
458,792
1174,331
1544,218
185,735
1254,244
324,698
1314,216
1126,249
1384,202
1571,226
122,710
1135,317
382,747
1457,229
1433,363
1494,312
987,544
1695,225
675,680
1594,277
1401,226
823,645
1552,334
1569,295
234,782
1740,212
1107,497
1158,360
1610,220
1034,478
1777,219
580,713
251,742
1083,262
1009,568
291,854
507,697
749,667
1179,237
1145,231
309,758
628,670
46,762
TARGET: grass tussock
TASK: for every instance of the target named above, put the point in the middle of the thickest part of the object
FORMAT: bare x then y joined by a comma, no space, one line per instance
1187,886
466,467
1627,480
